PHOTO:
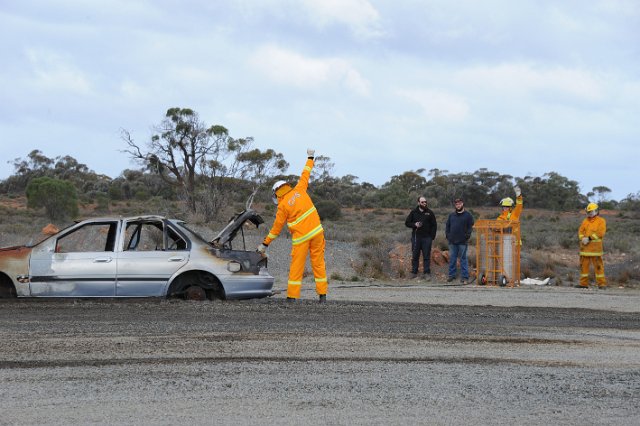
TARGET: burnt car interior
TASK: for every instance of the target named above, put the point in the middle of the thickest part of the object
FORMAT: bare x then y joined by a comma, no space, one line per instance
149,235
93,237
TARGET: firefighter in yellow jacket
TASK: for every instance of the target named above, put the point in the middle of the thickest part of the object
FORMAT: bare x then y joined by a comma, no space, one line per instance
296,209
511,210
590,234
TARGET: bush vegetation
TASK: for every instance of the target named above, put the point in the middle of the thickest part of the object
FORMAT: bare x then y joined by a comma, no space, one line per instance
229,171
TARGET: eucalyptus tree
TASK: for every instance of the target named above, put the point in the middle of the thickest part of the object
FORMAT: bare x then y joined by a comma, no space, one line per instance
204,163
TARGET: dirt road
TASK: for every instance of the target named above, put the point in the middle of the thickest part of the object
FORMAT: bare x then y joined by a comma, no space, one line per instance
373,355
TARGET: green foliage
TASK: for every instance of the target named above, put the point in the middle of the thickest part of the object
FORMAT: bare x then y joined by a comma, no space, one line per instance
64,168
551,191
631,204
102,202
328,210
58,197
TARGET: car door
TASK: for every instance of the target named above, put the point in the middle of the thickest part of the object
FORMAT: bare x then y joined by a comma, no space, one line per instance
152,252
79,262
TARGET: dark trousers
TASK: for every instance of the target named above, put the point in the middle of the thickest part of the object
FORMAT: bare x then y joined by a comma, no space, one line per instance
420,243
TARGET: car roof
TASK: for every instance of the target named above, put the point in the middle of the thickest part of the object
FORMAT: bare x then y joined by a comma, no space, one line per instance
130,218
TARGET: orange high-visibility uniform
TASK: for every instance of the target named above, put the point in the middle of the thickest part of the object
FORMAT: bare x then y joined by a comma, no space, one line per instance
594,228
513,214
296,209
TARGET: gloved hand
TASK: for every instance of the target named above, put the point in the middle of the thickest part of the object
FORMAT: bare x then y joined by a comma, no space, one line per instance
311,152
517,189
262,249
585,240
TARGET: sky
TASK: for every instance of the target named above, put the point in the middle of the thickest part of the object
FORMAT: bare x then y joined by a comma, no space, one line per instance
381,87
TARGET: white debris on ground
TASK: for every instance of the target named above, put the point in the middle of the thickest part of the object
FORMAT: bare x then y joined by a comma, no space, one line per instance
535,281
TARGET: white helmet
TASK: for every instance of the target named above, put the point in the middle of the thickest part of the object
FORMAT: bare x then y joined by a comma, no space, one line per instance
275,187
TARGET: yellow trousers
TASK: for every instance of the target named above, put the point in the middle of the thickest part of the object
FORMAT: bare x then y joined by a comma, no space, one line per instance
315,248
598,265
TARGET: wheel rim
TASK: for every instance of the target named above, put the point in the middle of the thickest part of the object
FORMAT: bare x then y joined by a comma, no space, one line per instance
195,293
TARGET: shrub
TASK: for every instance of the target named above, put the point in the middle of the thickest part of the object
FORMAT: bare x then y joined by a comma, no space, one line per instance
328,210
335,276
374,260
102,202
58,197
369,241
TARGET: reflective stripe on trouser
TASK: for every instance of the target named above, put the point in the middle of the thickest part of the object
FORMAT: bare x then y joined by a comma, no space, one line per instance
315,248
598,266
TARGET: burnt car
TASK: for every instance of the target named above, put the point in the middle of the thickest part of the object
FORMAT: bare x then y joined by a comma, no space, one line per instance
142,256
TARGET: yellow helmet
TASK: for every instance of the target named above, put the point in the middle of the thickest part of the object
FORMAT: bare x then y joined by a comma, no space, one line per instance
591,207
506,202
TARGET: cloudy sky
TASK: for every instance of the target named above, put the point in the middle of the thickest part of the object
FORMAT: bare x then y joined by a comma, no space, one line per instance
379,86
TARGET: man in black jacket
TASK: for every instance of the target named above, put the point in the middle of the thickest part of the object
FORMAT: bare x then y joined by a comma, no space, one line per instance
458,232
423,223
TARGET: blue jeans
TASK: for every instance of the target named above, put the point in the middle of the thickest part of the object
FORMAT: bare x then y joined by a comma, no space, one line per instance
458,251
421,244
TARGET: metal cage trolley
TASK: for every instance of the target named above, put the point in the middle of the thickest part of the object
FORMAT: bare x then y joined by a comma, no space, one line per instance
498,252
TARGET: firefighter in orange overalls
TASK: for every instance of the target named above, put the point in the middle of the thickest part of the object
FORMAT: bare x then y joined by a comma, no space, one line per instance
296,209
590,234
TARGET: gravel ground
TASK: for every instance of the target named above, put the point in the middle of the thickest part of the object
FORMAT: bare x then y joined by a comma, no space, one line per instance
424,353
396,352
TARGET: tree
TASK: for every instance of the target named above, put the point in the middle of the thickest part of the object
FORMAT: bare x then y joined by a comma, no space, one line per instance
631,203
601,193
58,197
87,182
551,191
202,162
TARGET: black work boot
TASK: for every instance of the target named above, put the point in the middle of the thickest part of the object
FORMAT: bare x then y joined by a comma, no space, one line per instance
291,299
322,298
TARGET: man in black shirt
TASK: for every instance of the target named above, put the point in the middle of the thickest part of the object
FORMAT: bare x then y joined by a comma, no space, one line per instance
423,223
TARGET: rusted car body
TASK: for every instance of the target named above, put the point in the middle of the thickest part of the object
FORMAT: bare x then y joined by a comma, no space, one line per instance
142,256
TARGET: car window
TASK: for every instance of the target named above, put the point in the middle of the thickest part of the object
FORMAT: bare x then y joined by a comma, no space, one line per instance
175,241
149,235
91,237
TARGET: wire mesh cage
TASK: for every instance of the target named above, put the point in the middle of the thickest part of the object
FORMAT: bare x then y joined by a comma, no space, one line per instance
498,252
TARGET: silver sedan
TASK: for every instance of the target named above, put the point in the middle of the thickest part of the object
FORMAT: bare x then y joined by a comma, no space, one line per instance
142,256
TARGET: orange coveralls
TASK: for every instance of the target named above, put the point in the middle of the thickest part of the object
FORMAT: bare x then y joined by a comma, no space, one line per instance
594,228
296,209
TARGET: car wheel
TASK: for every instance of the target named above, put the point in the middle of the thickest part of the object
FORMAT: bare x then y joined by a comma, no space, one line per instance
503,281
7,290
195,292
